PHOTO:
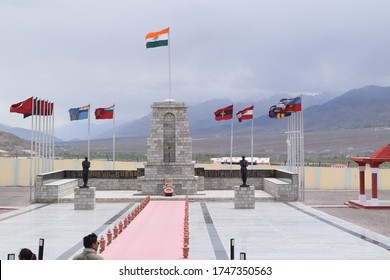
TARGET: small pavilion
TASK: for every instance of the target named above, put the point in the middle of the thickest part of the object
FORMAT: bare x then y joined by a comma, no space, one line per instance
376,159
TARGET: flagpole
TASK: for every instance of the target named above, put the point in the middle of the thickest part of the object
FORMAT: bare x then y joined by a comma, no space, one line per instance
48,153
45,137
36,135
252,142
169,63
89,129
231,143
302,153
113,137
31,145
49,137
52,138
39,137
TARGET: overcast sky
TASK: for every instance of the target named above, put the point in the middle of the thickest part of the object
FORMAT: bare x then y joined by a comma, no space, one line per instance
78,52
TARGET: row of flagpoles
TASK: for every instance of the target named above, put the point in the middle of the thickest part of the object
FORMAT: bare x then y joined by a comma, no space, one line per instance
42,131
42,134
292,108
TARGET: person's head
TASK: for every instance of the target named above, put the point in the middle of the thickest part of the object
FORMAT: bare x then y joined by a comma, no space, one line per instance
243,157
90,241
26,254
86,158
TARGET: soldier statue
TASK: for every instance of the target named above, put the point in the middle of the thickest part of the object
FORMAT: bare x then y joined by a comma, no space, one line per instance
86,165
244,171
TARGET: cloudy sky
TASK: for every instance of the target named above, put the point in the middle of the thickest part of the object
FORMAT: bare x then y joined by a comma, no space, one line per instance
78,52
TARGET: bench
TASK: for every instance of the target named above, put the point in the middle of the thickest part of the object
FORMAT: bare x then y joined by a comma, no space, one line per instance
53,190
281,189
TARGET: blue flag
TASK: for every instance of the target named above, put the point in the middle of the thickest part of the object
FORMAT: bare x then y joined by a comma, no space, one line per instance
80,113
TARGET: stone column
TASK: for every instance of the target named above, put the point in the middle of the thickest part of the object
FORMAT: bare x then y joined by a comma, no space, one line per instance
374,178
362,195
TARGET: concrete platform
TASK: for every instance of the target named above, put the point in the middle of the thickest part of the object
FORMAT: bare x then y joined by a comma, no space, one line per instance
271,231
379,205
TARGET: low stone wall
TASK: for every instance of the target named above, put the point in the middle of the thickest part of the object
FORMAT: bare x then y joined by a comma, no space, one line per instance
207,180
52,190
113,184
229,183
226,179
284,188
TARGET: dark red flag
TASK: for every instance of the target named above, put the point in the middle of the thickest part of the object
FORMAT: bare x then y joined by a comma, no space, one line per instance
224,113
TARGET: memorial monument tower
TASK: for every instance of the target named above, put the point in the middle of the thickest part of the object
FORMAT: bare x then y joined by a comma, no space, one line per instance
169,152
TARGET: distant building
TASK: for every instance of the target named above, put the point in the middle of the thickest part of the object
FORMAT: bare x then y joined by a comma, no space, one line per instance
339,165
236,160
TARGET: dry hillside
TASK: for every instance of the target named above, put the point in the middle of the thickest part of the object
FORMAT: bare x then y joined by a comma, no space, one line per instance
11,145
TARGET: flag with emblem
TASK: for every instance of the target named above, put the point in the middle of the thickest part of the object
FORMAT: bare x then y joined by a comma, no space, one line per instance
224,113
291,104
80,113
276,112
104,113
157,39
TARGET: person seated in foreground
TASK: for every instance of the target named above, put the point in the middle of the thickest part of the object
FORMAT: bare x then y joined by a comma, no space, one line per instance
91,246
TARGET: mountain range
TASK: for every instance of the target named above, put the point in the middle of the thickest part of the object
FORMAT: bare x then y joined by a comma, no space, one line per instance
358,108
201,116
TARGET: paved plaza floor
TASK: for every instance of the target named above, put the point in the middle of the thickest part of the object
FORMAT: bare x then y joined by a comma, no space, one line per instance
271,231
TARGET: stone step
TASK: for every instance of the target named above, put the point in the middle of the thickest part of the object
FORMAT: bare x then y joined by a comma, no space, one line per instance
137,196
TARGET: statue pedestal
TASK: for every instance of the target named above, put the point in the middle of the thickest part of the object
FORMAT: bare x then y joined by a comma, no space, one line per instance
244,197
84,198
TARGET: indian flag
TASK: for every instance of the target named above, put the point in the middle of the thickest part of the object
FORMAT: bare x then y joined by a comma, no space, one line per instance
157,39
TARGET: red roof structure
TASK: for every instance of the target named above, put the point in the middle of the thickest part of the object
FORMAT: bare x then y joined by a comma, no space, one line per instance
382,153
380,156
377,158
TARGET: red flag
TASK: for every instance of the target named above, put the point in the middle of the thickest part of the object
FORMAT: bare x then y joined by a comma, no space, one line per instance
41,108
224,113
246,114
24,107
104,113
291,104
48,108
51,108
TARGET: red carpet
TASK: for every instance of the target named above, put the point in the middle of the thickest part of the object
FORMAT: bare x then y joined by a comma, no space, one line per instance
155,234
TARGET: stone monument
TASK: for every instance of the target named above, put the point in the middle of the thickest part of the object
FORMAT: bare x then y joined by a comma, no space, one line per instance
169,152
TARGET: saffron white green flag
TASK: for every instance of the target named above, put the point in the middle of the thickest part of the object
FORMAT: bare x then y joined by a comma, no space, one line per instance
157,39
